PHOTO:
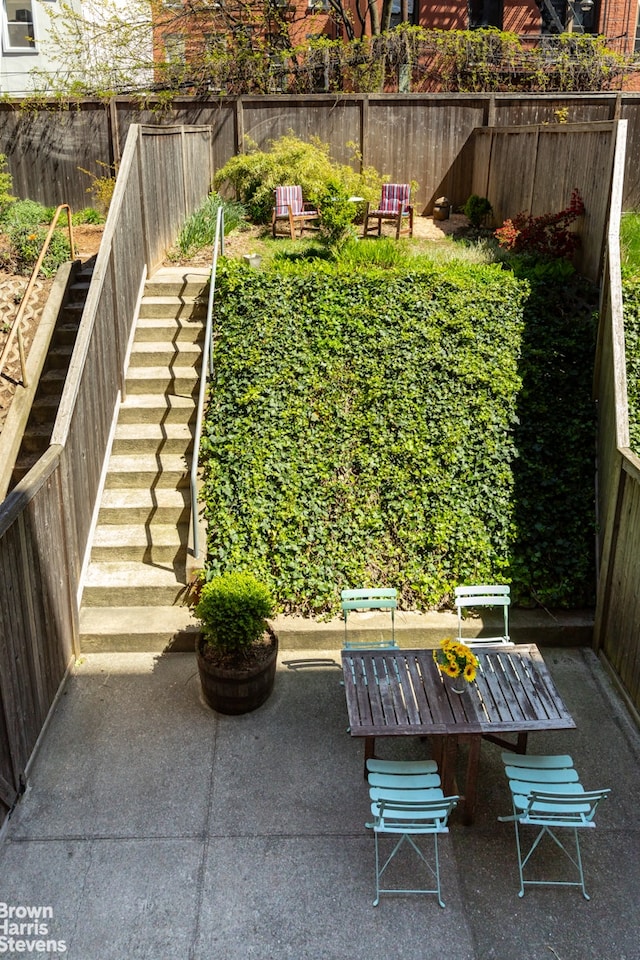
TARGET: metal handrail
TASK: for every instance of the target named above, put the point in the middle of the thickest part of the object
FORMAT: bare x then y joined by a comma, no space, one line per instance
16,329
207,360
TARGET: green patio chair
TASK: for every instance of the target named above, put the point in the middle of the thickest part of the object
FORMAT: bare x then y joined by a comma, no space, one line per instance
407,802
547,794
384,598
484,595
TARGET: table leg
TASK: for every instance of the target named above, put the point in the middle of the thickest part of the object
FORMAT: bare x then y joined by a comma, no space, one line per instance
471,779
369,751
447,763
522,742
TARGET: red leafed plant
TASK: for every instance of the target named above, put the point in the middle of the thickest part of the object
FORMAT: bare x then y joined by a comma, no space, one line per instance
545,236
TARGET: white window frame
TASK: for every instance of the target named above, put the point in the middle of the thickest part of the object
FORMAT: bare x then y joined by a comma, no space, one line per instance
26,47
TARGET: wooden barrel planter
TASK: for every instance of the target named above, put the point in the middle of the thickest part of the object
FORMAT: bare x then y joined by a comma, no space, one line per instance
234,689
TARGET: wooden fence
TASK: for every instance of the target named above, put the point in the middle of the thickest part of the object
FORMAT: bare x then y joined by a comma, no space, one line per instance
407,136
616,631
46,522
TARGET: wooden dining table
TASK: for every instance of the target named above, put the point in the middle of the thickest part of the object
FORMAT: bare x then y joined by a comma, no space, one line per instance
401,693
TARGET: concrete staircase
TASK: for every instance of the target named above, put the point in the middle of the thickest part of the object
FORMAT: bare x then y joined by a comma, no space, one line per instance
39,427
136,580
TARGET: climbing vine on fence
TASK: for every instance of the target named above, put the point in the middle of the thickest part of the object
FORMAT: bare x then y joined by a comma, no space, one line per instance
631,296
362,429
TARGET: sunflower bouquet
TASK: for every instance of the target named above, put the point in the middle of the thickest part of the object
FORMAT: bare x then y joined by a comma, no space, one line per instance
455,659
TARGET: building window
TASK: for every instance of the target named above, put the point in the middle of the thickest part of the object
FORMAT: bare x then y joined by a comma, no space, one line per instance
18,30
396,12
485,13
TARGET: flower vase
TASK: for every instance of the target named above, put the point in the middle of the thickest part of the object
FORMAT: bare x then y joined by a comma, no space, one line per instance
458,685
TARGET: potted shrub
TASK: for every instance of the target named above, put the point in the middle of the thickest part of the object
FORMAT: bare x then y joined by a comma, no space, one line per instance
237,649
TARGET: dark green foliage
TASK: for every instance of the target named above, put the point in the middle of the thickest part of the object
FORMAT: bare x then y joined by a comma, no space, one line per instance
631,295
363,430
476,210
360,428
232,608
554,496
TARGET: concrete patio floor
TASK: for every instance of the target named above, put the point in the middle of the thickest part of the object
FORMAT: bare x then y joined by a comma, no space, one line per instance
154,828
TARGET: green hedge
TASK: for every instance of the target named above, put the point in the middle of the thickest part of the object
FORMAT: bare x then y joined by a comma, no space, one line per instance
631,296
363,429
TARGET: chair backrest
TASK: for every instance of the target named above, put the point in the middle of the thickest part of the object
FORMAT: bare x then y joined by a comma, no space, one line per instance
545,790
288,197
379,598
571,809
410,811
484,595
395,196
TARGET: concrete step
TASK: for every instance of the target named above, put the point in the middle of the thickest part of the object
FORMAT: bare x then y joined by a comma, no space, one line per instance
180,381
129,505
155,543
72,312
170,306
78,291
147,470
59,356
35,438
150,353
179,281
152,438
131,584
66,333
157,408
169,329
52,381
137,629
44,409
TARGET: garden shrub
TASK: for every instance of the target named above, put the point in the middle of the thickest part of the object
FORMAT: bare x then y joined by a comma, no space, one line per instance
255,175
6,185
631,297
415,427
477,210
546,236
199,230
554,496
24,225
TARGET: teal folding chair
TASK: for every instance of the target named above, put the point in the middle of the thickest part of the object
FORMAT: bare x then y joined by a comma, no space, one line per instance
407,801
384,598
484,595
546,794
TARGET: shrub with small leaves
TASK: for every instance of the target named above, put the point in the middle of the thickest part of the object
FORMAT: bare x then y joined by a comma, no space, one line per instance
337,213
547,236
256,174
233,608
477,210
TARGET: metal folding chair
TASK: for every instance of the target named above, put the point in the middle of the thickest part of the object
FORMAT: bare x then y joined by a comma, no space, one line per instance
369,599
407,801
484,595
546,794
